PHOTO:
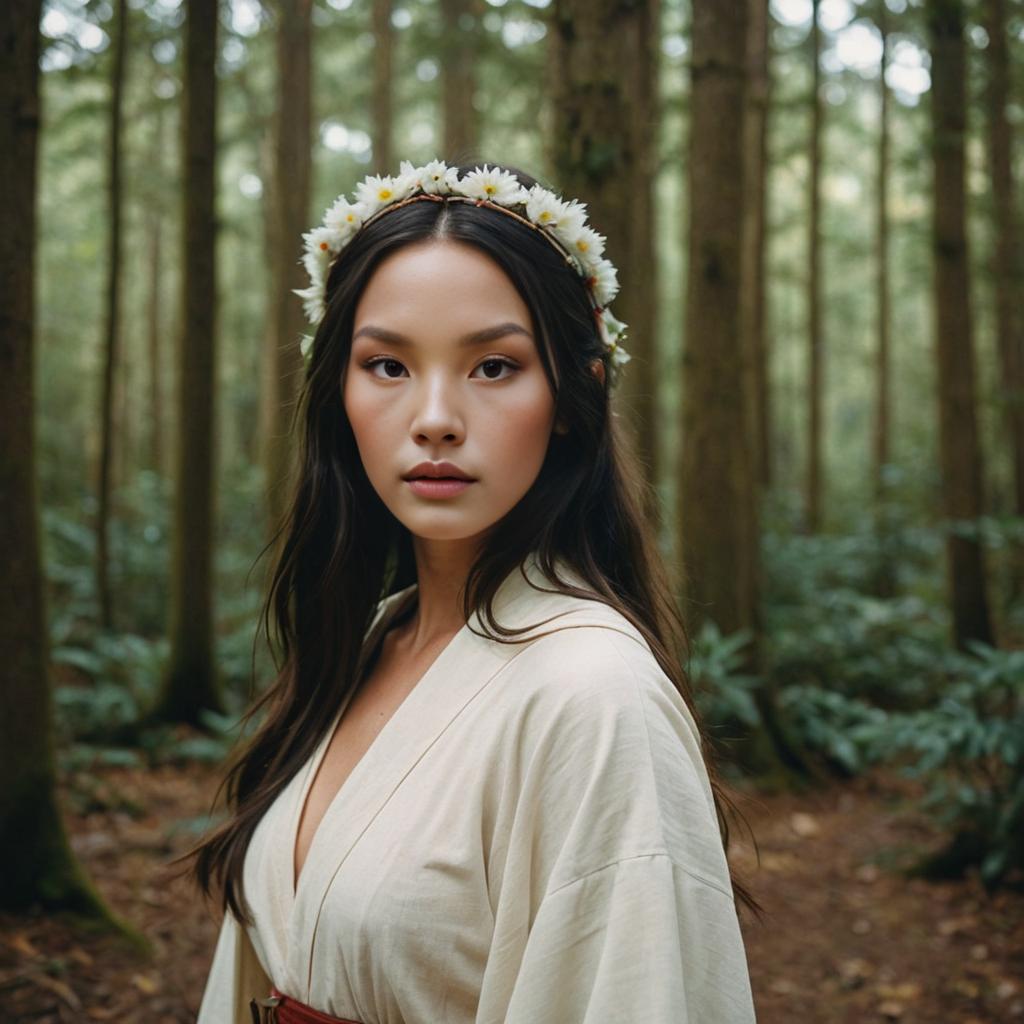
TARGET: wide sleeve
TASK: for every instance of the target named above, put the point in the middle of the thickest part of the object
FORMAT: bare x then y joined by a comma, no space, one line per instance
610,885
236,976
639,940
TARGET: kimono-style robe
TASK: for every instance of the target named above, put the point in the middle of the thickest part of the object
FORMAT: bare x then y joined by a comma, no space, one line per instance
530,838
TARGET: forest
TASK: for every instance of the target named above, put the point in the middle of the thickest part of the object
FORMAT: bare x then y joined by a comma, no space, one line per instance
815,208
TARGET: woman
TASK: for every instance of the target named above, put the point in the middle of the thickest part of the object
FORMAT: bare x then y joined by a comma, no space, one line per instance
479,793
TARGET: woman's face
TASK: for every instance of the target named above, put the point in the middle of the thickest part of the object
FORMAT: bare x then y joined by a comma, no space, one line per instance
444,367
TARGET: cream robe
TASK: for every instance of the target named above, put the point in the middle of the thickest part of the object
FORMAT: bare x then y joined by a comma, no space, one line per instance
530,838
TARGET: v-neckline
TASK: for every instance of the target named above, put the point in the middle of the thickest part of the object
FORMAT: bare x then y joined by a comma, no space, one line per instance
386,622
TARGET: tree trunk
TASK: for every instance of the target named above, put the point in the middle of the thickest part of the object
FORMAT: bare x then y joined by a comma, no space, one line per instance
289,199
154,308
383,114
884,582
753,292
715,463
604,57
881,446
460,43
960,451
191,682
718,521
1007,269
112,327
37,863
815,423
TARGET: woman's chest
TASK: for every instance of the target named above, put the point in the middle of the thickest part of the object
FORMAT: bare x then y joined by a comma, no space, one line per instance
389,682
408,888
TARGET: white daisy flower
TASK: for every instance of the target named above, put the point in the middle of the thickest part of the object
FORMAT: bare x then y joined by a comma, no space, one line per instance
612,331
605,282
312,302
571,226
619,355
501,187
377,191
435,177
587,248
324,241
316,262
344,217
306,345
544,208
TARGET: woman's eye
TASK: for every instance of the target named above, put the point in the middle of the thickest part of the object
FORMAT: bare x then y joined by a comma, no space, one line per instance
491,367
387,362
499,362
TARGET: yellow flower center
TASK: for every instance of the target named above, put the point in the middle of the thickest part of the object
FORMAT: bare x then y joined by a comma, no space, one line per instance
582,245
490,189
384,193
323,247
545,216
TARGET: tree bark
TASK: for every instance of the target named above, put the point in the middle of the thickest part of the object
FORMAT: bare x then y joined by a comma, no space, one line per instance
1007,261
289,208
815,382
882,299
715,463
112,314
602,63
383,113
753,291
960,451
884,575
36,865
154,317
461,43
191,682
718,520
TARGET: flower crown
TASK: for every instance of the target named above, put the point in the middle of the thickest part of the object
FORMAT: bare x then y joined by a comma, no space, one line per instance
564,224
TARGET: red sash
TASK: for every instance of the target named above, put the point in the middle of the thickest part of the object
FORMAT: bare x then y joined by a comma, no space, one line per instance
282,1009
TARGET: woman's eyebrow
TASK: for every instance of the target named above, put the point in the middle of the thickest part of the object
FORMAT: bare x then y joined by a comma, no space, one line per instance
473,338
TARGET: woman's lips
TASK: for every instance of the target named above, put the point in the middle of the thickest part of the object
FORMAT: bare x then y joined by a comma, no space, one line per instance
438,487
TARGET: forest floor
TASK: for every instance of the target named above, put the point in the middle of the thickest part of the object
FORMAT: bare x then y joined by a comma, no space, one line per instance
847,938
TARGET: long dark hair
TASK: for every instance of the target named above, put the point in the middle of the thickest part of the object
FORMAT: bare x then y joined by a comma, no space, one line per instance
340,550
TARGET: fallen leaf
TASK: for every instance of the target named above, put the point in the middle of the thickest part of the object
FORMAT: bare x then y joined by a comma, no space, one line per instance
58,988
145,983
23,944
908,990
803,824
853,973
80,956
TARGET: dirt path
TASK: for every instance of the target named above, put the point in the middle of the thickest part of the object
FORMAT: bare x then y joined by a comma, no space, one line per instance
848,940
845,938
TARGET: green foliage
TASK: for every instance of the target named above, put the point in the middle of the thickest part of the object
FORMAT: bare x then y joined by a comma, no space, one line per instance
827,625
864,680
844,729
723,693
122,672
969,748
